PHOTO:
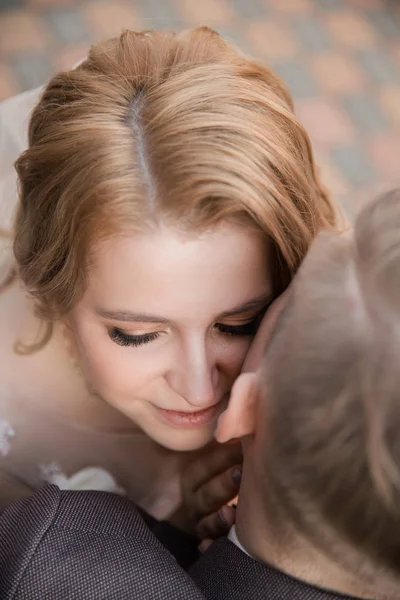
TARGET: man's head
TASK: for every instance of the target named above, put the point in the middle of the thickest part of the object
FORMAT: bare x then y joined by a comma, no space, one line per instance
321,418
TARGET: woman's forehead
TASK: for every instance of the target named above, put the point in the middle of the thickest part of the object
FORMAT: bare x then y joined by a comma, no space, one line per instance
167,273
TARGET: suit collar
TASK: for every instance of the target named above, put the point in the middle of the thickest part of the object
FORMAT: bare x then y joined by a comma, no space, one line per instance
225,572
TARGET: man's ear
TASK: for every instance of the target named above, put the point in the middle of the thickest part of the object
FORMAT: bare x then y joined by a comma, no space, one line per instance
239,418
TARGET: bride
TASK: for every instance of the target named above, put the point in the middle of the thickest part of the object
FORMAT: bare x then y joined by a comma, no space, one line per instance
166,196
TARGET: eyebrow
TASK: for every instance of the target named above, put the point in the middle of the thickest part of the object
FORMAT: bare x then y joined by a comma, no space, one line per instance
132,317
254,304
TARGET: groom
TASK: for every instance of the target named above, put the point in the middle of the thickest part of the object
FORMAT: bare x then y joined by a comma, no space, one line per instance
319,510
318,516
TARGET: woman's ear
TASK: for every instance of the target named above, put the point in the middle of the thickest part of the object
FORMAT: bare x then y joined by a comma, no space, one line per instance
239,418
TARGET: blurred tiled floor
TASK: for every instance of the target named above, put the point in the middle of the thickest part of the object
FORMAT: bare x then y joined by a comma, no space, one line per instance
341,59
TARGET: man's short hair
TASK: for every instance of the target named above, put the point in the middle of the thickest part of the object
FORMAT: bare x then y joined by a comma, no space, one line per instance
332,391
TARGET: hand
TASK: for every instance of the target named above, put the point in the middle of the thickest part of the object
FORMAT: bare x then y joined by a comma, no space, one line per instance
209,483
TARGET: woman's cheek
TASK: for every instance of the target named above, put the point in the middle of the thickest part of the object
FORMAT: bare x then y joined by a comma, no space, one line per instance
235,355
106,367
118,374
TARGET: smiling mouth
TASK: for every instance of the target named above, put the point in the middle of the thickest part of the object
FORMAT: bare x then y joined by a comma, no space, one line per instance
194,419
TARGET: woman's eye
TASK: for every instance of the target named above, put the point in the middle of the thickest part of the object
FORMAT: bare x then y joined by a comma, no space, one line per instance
123,339
249,328
245,329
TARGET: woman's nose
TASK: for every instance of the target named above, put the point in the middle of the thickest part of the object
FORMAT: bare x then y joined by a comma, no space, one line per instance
196,378
201,391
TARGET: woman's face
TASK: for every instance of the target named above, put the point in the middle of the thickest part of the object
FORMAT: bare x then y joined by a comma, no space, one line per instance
165,324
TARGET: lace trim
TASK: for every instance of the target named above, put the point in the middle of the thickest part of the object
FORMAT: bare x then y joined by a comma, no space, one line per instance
90,478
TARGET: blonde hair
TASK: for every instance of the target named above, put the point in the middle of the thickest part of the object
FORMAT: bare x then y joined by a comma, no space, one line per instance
333,449
154,126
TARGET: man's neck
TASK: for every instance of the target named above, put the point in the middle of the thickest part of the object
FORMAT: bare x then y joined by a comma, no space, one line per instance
275,543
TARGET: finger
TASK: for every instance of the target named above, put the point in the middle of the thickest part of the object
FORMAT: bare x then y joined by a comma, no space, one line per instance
211,496
210,464
216,525
205,544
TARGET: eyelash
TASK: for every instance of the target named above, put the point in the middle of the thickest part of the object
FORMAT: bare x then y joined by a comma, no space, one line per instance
246,329
123,339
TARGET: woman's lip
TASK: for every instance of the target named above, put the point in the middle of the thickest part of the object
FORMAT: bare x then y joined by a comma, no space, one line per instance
194,419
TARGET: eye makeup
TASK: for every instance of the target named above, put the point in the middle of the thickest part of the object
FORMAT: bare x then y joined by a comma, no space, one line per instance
245,329
248,328
123,339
